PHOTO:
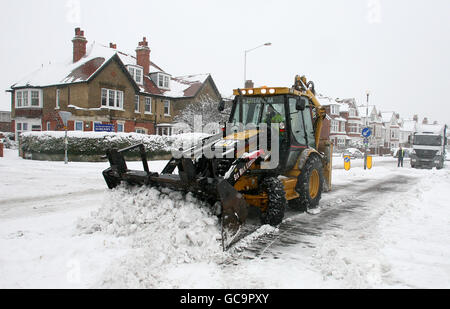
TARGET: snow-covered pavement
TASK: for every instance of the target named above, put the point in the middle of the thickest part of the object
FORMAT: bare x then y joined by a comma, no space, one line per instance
60,227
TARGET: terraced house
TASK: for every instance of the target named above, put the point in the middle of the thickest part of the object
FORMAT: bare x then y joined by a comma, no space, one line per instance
102,86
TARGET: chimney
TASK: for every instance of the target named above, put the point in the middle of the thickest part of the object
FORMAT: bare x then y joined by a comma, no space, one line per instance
425,120
79,45
143,56
249,84
416,118
112,45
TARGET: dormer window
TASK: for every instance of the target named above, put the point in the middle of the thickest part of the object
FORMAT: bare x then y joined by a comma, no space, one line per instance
137,73
163,81
334,109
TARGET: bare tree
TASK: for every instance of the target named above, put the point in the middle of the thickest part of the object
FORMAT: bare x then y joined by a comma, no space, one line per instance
206,108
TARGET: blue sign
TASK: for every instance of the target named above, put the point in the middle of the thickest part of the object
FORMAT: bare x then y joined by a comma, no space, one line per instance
104,127
347,159
366,132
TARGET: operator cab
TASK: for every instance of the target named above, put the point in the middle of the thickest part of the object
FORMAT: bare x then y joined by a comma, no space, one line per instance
294,115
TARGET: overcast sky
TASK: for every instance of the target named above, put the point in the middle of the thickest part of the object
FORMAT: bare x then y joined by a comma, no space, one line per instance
397,49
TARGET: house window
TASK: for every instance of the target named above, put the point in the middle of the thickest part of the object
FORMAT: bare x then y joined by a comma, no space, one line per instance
58,93
36,127
167,108
28,98
334,126
35,98
140,131
25,126
48,126
136,103
19,126
352,112
112,99
136,73
78,125
163,81
19,99
120,127
148,105
334,110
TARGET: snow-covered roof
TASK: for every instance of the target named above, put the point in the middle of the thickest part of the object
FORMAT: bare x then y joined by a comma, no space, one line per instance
97,55
186,86
325,101
387,116
362,109
409,125
68,72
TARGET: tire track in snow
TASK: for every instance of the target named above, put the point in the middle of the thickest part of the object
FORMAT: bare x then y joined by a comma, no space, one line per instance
304,229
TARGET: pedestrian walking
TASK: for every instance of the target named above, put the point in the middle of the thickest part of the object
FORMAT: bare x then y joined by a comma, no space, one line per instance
400,155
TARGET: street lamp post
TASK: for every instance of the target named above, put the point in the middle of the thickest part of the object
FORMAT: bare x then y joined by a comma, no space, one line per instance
245,58
366,144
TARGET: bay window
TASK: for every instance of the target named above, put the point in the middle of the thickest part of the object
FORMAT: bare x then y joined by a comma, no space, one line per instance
29,98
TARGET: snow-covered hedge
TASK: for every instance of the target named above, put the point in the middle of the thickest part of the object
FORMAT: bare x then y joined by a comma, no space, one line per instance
96,143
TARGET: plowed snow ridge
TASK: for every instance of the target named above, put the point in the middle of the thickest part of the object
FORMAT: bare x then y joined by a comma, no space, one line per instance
165,228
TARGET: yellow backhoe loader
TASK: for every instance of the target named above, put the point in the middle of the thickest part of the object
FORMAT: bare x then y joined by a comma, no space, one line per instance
269,155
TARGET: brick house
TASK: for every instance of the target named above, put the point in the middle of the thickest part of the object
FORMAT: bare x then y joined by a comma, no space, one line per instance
353,127
101,85
5,121
335,125
392,127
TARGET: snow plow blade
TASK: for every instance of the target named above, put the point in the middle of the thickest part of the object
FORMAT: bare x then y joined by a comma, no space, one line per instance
234,212
233,207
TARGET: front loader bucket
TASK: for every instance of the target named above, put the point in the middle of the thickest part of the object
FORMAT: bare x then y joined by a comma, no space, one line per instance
234,212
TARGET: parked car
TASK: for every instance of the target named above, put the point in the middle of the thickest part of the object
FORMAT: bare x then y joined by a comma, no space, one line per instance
353,153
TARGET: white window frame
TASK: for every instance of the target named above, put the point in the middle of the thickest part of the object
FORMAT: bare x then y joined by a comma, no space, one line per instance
137,73
48,126
140,130
148,103
168,108
24,98
163,81
137,104
121,123
75,125
58,95
334,126
334,109
117,98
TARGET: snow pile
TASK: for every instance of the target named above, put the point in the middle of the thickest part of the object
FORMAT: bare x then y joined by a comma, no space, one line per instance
164,228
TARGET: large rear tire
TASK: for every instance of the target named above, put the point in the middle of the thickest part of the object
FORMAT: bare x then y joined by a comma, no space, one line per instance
309,185
277,201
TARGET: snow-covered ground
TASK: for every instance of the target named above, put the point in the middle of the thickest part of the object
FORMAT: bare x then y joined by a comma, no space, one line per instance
61,228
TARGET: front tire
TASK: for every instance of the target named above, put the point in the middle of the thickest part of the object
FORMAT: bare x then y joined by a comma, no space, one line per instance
309,185
276,201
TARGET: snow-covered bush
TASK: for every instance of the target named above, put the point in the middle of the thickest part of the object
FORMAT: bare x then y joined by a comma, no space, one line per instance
96,143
